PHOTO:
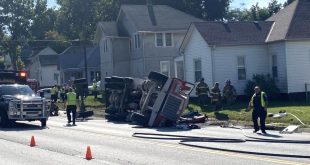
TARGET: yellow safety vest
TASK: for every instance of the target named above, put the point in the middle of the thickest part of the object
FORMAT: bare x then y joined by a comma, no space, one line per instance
94,86
261,99
71,98
53,91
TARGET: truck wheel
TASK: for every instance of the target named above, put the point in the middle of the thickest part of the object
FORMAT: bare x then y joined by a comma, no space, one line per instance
43,122
158,77
4,120
139,119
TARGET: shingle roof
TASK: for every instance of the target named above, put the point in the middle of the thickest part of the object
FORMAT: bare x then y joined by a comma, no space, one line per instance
167,18
93,58
73,56
234,33
109,28
292,22
46,60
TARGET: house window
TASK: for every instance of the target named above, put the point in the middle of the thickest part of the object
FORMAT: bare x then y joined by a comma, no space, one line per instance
159,39
274,67
98,75
105,46
168,39
163,39
241,68
137,41
165,67
179,70
197,70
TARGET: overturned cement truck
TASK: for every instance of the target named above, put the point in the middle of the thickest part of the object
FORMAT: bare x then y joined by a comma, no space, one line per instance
155,102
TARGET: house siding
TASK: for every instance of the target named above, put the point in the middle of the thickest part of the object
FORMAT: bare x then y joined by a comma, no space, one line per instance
121,57
298,65
225,64
106,61
278,49
47,73
153,55
197,48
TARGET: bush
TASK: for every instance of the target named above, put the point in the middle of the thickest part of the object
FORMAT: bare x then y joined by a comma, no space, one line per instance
265,82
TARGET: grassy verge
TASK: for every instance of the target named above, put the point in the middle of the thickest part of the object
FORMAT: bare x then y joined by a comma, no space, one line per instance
237,112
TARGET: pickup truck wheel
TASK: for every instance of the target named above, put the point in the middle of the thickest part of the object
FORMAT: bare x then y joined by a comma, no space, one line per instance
4,120
43,122
158,77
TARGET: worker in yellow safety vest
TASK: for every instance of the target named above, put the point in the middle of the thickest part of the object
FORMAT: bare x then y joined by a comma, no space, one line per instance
71,104
259,104
95,92
54,94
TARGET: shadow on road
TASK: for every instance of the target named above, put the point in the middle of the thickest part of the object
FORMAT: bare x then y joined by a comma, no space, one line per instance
22,127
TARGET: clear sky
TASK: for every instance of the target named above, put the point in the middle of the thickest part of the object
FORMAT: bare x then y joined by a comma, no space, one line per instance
234,4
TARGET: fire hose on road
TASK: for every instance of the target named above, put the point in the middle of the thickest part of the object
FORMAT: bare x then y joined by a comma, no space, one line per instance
188,140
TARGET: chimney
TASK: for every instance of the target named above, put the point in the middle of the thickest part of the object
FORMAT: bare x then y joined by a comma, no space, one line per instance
151,12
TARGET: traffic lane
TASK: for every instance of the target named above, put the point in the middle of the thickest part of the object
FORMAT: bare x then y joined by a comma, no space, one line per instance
111,148
15,154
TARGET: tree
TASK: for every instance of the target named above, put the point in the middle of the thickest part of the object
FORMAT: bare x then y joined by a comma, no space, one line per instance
43,20
215,9
288,2
255,13
15,16
274,6
265,82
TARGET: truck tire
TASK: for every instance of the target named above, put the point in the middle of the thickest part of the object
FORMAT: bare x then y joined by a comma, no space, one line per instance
158,77
43,122
139,119
4,120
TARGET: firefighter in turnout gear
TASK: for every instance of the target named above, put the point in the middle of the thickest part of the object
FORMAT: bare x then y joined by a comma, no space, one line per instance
202,91
216,98
259,104
229,93
71,104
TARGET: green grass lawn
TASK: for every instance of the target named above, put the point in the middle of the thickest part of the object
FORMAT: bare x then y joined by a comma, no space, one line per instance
91,102
237,112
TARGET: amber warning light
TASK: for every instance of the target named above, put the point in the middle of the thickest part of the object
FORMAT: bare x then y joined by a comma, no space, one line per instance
22,74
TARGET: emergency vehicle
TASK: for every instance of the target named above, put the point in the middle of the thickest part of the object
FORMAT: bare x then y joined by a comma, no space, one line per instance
18,102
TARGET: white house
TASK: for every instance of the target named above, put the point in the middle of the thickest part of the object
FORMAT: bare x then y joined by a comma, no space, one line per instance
43,67
279,46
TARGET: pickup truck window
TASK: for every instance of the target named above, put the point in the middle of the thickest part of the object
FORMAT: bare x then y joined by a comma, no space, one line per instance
15,90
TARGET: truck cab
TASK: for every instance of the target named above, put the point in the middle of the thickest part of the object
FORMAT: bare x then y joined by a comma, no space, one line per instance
18,102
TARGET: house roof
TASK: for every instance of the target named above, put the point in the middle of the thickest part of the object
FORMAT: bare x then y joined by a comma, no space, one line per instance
109,28
47,51
234,33
164,18
46,60
292,22
73,57
93,58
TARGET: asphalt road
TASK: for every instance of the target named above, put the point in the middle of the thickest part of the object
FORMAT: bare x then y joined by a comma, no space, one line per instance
112,143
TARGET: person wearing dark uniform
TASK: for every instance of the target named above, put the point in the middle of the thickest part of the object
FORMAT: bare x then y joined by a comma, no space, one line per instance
202,91
229,93
259,104
216,96
71,106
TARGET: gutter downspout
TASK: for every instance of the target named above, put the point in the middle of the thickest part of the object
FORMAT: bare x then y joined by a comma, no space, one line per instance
212,64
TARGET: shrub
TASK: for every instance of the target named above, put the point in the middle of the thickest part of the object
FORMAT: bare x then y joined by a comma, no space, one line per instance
265,82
